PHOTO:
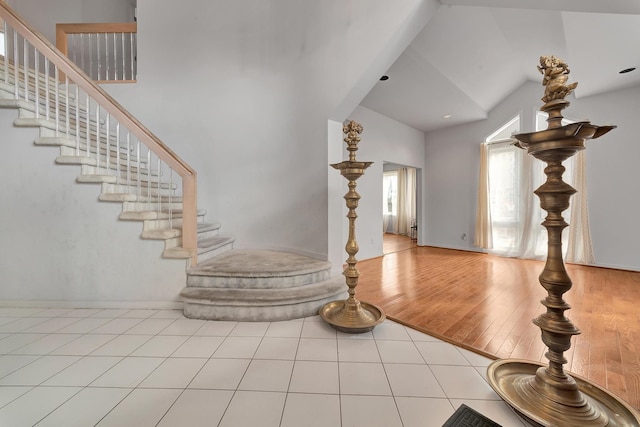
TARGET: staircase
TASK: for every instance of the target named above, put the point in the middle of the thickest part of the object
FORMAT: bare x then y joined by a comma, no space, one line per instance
124,177
154,186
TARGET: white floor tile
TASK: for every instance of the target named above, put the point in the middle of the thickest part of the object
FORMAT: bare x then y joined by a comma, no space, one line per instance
266,409
183,327
139,314
129,372
463,382
53,312
286,329
315,377
9,394
84,326
277,348
82,312
497,411
11,362
237,347
250,329
474,358
320,349
168,314
413,380
267,375
85,408
160,346
311,410
399,352
198,347
358,351
122,345
391,331
51,325
216,328
415,411
314,329
39,370
141,408
116,326
19,312
83,372
47,344
220,374
197,408
315,318
441,353
174,373
418,336
20,325
370,411
110,313
83,345
149,326
362,336
17,341
34,405
363,378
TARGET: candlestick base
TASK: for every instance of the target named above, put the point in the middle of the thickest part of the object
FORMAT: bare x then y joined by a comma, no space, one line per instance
352,316
516,383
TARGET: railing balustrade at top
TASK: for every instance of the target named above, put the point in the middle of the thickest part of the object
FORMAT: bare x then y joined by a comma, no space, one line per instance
97,131
106,52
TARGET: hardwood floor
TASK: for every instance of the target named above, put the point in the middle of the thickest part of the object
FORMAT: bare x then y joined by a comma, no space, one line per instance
485,303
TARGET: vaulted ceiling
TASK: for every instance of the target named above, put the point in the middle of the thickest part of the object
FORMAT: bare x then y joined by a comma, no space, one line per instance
474,53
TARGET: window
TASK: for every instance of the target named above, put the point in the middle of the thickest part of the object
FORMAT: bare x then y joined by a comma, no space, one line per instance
390,193
515,216
1,43
505,181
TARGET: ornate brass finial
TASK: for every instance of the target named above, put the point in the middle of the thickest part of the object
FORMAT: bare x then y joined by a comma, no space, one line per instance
352,129
556,73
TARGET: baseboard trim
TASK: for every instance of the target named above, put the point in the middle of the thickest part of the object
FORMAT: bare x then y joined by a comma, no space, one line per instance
131,305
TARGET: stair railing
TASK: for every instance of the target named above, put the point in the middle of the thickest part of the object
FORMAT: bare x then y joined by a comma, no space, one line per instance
106,52
108,140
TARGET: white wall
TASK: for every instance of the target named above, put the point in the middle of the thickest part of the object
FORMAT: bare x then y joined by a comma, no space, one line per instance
383,139
242,91
60,244
452,162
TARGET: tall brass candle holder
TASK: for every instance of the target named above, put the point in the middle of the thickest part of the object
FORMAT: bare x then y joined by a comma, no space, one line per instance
547,395
352,316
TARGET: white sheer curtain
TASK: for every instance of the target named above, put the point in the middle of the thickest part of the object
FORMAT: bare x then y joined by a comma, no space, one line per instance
406,199
579,246
399,201
483,237
514,213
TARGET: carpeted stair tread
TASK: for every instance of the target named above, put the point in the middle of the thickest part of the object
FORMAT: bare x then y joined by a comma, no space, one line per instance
259,263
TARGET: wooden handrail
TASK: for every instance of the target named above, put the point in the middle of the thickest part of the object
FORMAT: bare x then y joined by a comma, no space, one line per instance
188,175
63,30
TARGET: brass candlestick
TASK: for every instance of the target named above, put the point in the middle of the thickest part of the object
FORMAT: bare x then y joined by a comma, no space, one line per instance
352,316
547,395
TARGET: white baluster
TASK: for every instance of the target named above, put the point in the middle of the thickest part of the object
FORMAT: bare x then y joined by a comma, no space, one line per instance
56,75
16,63
133,57
5,41
36,95
25,63
118,151
46,88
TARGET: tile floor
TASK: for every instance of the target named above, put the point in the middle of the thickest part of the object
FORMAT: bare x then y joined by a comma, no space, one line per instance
108,367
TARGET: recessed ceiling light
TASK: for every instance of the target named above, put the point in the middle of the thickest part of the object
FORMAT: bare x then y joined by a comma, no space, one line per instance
383,78
627,70
447,116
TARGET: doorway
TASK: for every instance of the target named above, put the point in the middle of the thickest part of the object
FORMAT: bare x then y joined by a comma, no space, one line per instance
399,207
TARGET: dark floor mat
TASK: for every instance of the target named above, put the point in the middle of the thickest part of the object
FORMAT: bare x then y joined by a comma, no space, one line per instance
467,417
